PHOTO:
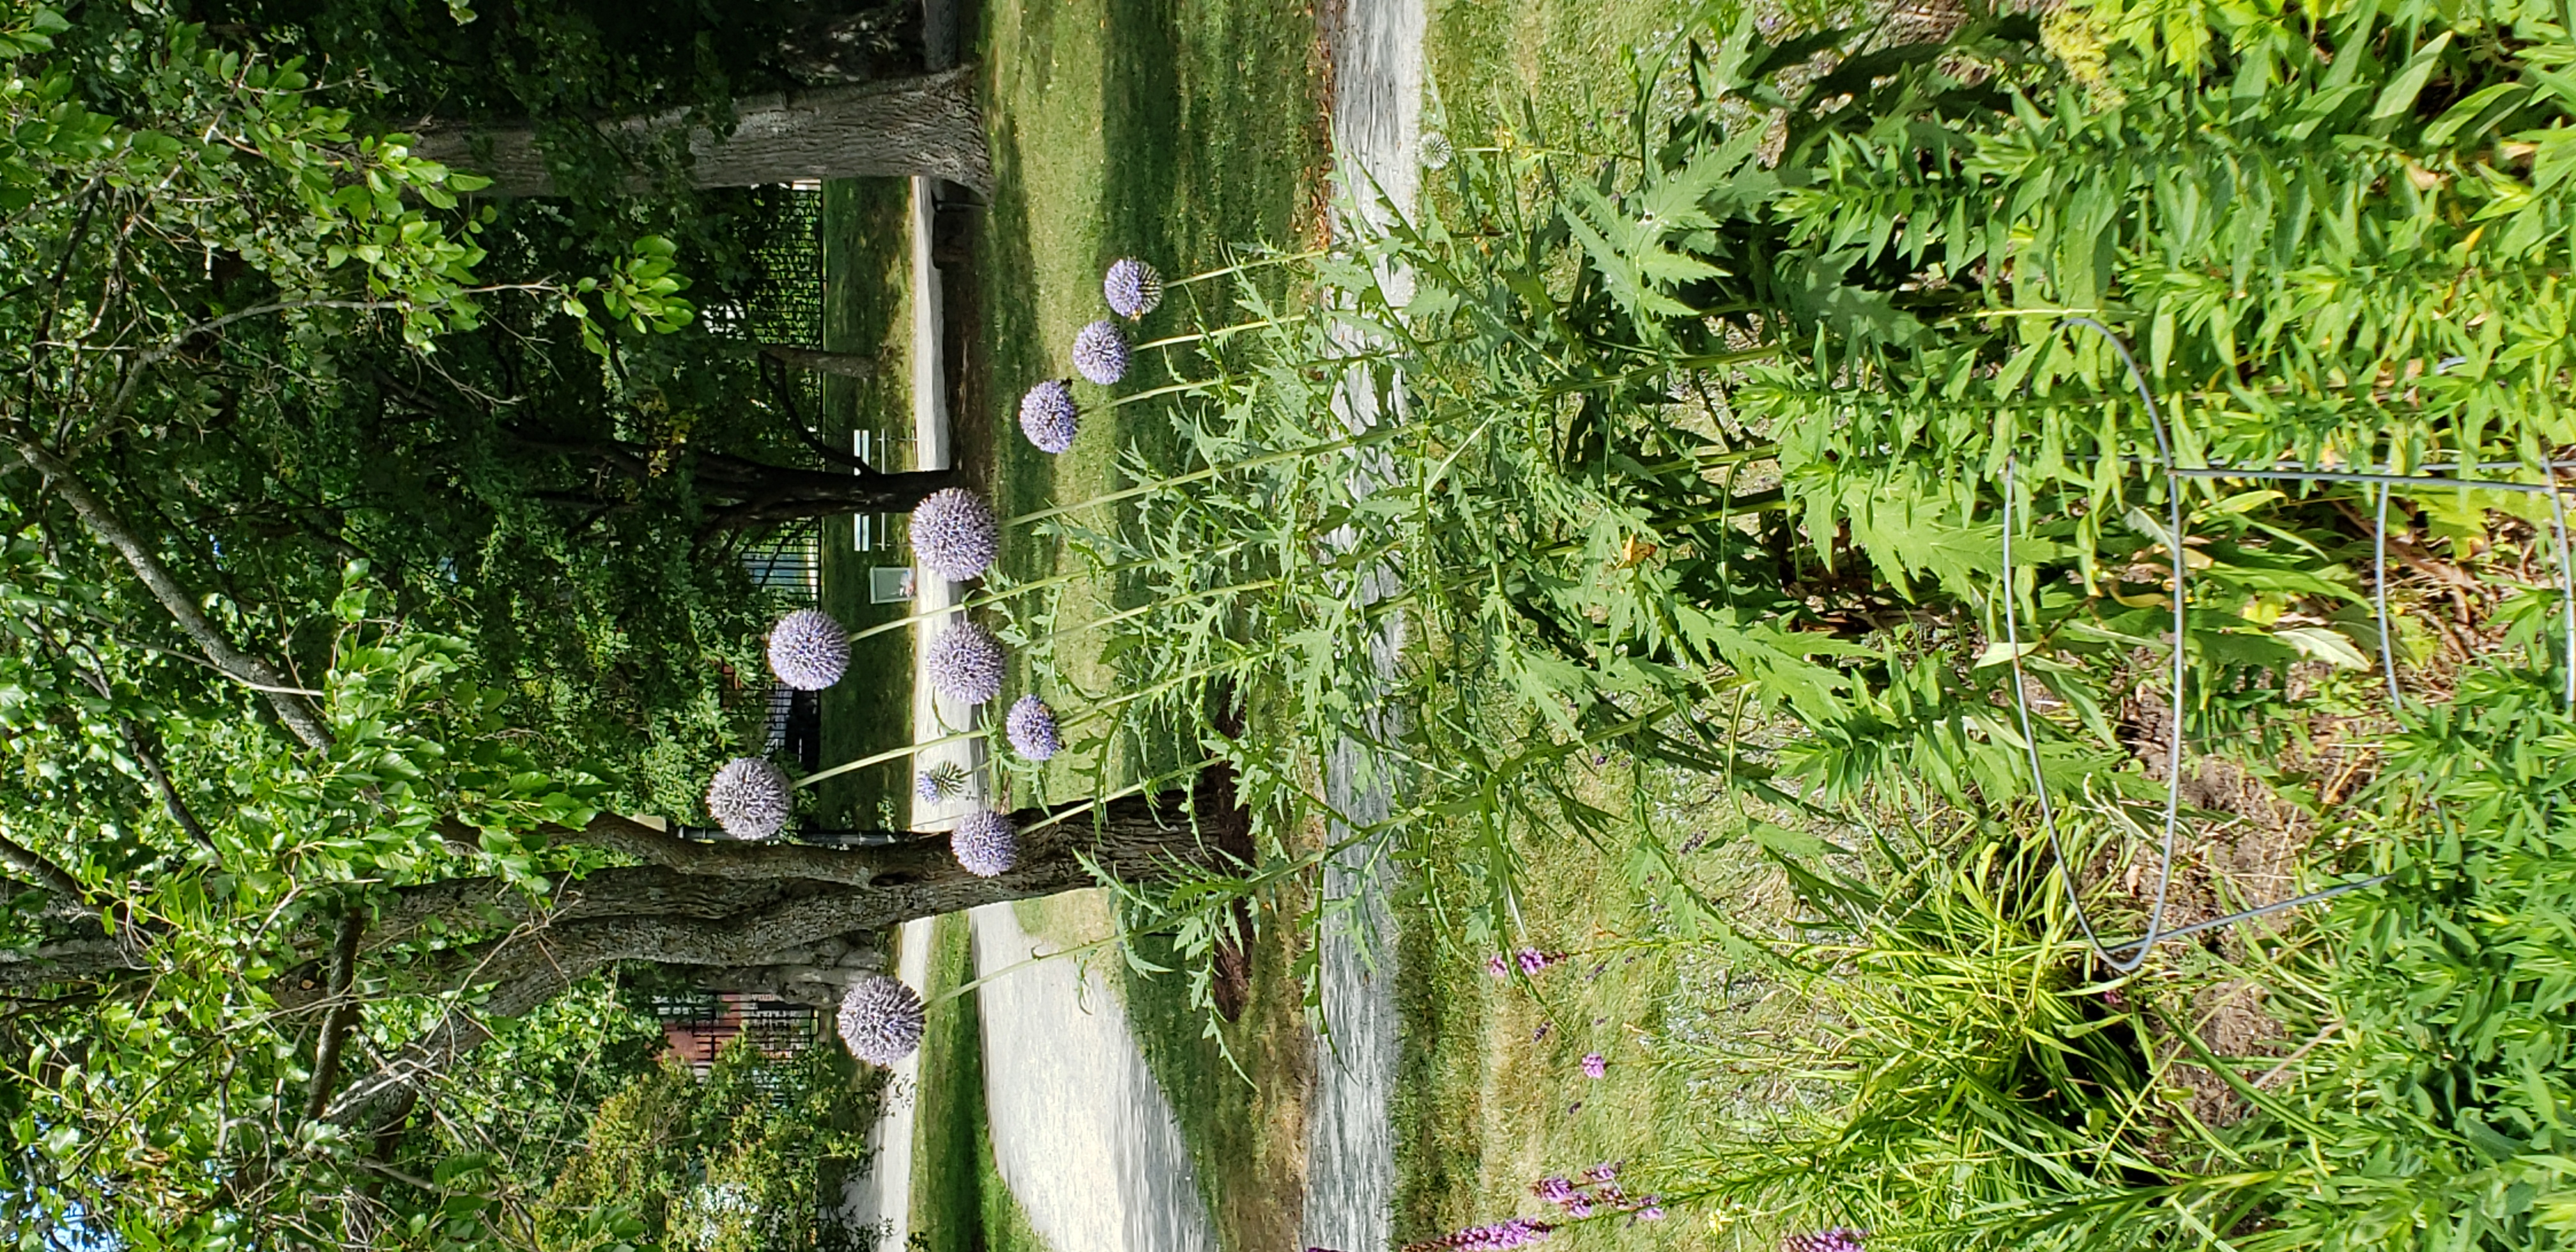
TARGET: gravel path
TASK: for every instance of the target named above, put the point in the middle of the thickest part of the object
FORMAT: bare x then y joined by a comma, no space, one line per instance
1350,1146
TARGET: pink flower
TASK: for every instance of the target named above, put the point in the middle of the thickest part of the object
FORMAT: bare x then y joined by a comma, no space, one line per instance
1603,1172
1595,1065
1498,965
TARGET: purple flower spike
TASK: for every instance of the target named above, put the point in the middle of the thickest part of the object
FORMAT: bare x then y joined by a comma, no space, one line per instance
1651,1213
1595,1065
1049,417
965,663
1133,288
985,844
954,534
749,798
1532,960
1553,1189
880,1019
1578,1206
1603,1172
1032,729
1100,353
1838,1239
808,650
1517,1232
1498,965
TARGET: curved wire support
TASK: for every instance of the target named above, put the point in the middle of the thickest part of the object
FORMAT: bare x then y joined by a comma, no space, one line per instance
2137,949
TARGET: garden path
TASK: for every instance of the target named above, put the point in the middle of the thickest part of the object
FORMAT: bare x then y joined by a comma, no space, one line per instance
886,1188
1351,1152
1082,1134
1350,1142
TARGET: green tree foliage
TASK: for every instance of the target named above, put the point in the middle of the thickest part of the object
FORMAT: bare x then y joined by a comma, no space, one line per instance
728,1161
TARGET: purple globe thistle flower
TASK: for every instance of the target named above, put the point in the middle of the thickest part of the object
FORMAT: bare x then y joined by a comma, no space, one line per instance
1553,1189
954,534
1031,726
1603,1172
1532,960
944,781
1498,966
1133,288
965,663
1100,353
1049,417
749,798
808,650
1595,1065
985,844
1837,1239
880,1019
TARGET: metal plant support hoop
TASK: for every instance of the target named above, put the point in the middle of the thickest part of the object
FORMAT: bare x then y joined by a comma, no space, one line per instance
2138,949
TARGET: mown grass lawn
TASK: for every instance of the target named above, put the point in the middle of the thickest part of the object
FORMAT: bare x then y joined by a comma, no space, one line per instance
1170,133
1492,1094
867,277
958,1201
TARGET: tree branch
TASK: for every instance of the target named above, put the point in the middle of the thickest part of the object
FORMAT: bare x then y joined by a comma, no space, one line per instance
42,871
343,1015
1131,838
182,606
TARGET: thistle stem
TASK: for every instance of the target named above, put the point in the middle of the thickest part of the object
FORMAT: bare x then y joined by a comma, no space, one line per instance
895,754
1245,266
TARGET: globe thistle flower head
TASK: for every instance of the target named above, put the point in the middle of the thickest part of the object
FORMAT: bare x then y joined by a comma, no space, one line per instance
1436,150
944,781
965,663
880,1019
1032,729
749,798
808,650
1133,288
1049,417
1100,353
985,844
1837,1239
954,534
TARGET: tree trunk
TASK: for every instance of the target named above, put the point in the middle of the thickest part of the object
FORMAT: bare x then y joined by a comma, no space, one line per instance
929,125
768,495
809,932
846,364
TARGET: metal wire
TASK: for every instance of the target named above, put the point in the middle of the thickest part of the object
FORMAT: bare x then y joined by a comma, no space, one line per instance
2156,932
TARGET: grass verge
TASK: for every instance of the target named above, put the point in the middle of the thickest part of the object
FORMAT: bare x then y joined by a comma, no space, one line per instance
959,1203
1492,1092
867,278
